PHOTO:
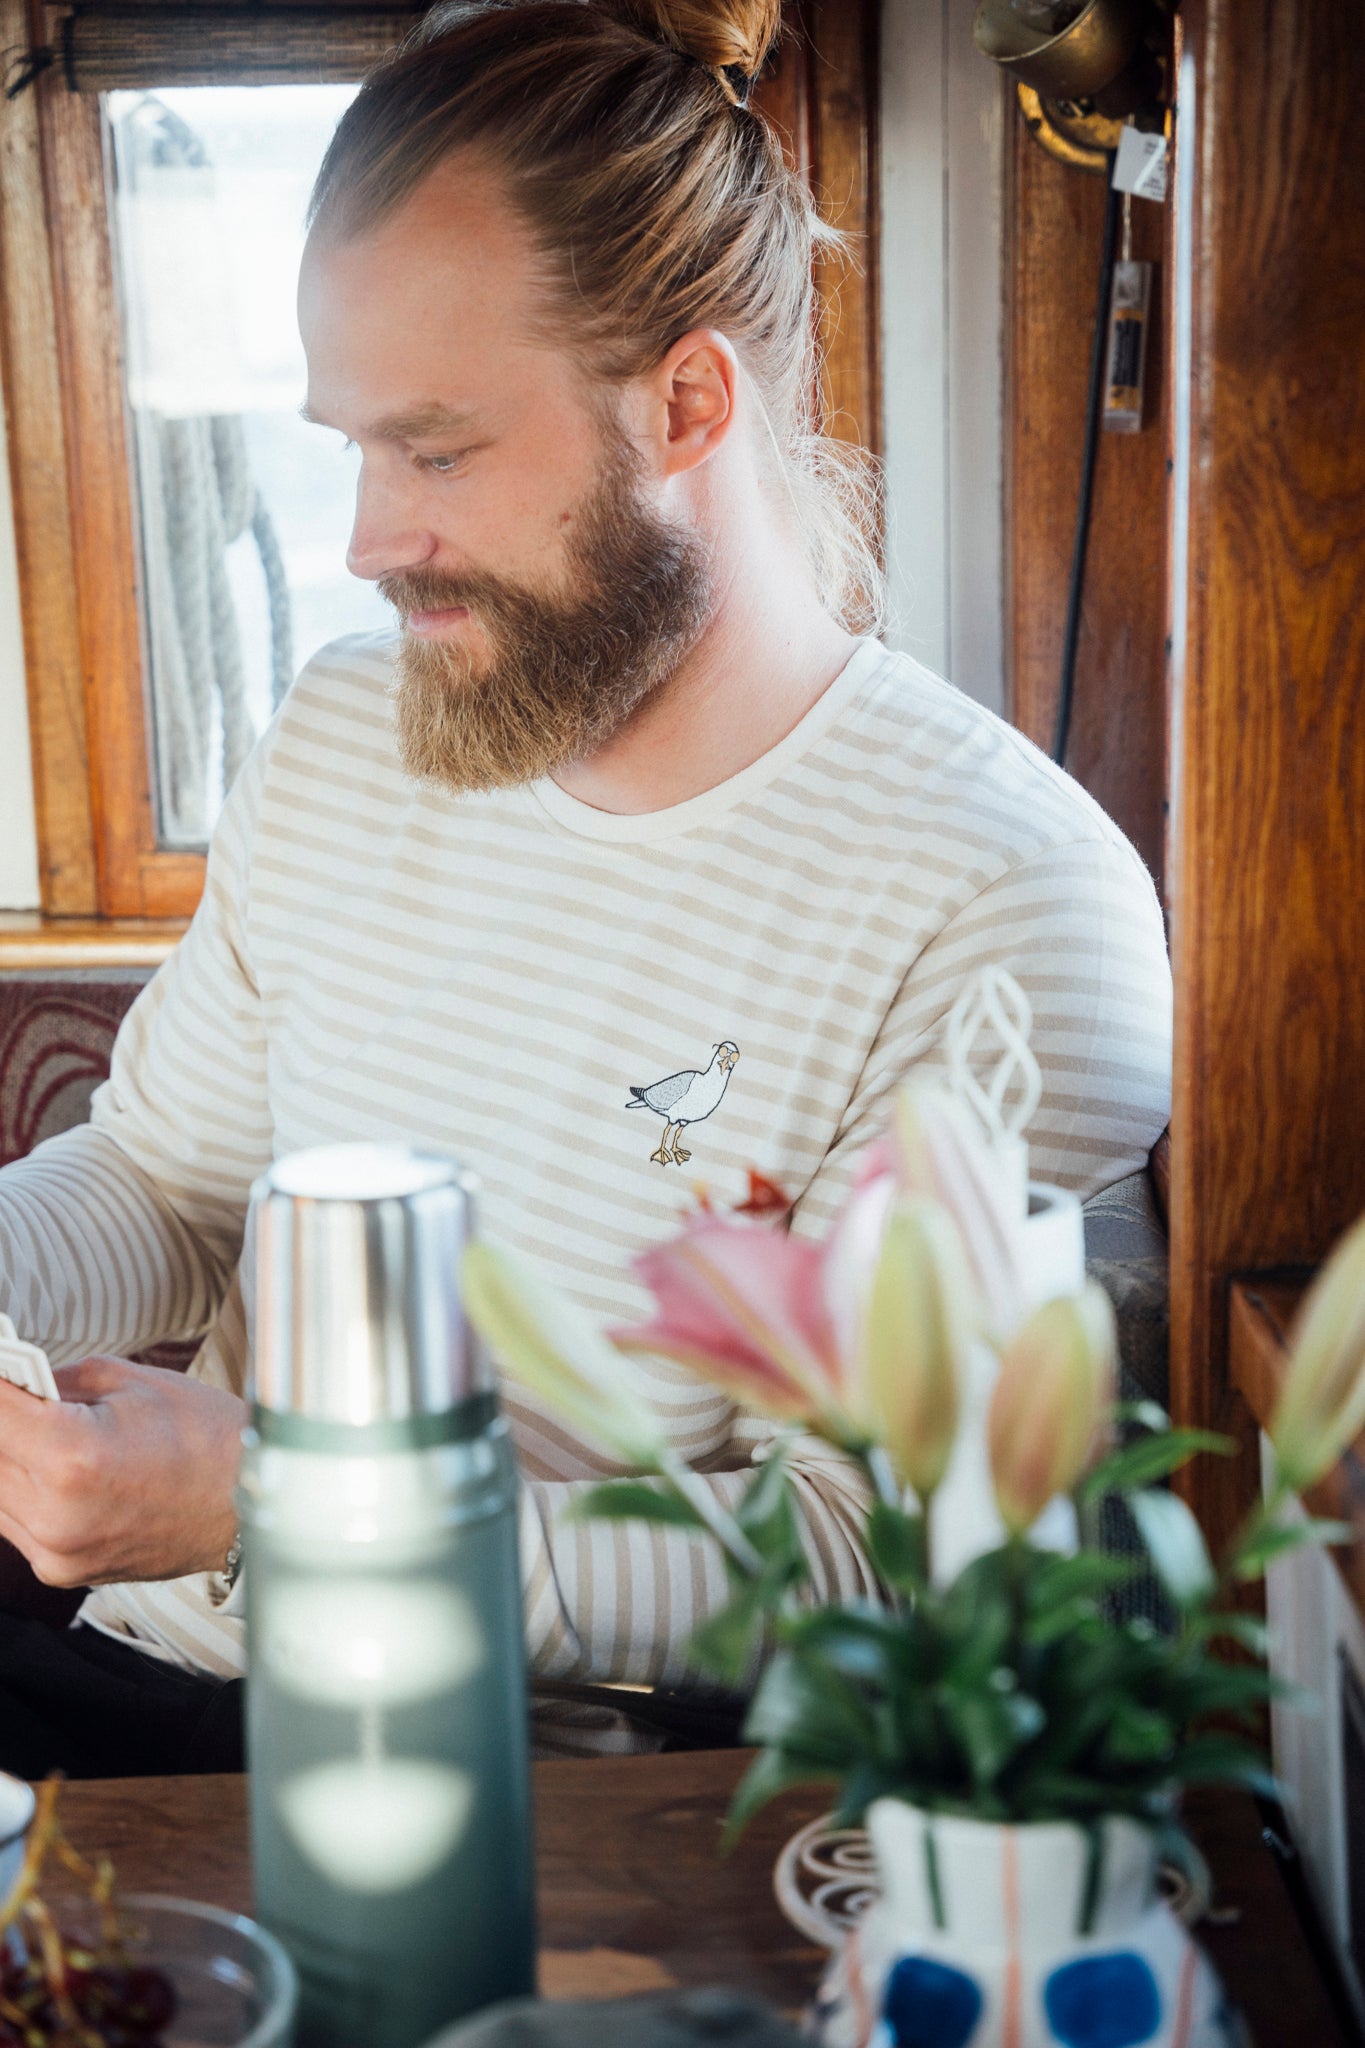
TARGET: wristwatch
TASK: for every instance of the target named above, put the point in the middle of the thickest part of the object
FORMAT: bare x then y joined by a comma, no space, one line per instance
232,1563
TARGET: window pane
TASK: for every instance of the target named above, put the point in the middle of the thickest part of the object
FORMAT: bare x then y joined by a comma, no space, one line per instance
244,510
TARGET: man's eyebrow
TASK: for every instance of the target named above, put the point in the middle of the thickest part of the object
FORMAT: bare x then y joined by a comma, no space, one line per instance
411,423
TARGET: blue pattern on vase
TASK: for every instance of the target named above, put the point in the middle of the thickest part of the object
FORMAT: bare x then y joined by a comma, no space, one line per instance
930,2005
1107,2001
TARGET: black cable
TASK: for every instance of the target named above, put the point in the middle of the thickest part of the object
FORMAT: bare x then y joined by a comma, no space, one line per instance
1094,413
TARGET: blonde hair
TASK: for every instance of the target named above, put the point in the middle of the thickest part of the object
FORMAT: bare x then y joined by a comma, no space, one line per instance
658,202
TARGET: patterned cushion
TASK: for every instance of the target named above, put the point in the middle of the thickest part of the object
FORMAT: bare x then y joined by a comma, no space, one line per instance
1126,1251
56,1035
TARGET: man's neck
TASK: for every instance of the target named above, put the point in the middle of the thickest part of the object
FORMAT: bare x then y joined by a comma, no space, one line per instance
767,656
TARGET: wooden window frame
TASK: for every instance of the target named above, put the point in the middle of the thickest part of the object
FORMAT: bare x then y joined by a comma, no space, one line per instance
70,449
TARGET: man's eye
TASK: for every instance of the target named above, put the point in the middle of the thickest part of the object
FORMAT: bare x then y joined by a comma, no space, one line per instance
442,465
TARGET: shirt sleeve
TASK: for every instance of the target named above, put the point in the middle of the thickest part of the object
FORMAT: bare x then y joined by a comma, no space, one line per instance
1080,929
127,1231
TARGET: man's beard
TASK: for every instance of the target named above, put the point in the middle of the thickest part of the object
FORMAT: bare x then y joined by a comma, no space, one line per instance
564,672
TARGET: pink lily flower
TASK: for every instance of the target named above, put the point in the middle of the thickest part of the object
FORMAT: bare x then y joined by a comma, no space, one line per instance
746,1307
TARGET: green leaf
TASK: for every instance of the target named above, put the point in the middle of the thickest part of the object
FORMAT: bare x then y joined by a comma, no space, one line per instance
895,1547
1146,1414
1067,1591
864,1783
1087,1575
1266,1544
1175,1543
1150,1458
974,1618
623,1500
771,1773
1223,1760
767,1515
867,1646
991,1728
727,1642
802,1705
1138,1735
1214,1688
1246,1630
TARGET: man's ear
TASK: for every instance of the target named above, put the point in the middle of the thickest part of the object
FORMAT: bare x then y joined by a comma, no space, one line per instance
693,400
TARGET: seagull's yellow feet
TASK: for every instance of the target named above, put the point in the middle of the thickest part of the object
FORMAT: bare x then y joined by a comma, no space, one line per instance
661,1157
680,1158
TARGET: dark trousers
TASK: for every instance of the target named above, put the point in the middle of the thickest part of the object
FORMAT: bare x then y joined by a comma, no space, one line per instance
76,1701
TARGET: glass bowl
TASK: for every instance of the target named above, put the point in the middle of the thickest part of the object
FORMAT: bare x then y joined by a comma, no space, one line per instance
234,1985
16,1813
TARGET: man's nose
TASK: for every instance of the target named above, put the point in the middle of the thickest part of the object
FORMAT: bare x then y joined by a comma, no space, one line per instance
387,537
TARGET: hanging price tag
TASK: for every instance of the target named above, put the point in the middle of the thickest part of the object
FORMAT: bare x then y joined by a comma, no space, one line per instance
1140,165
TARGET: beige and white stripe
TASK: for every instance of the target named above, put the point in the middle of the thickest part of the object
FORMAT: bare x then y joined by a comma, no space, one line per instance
490,975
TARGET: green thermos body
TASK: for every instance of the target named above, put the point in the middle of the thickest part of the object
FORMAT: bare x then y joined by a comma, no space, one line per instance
386,1692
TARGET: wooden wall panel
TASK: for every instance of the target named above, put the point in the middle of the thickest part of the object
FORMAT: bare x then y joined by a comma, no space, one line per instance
1268,1157
1118,728
842,38
106,553
42,509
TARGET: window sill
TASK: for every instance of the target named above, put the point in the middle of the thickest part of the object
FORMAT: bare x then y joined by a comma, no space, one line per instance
30,942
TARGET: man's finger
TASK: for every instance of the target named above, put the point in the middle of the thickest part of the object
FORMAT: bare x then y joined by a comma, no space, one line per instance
64,1573
27,1423
94,1379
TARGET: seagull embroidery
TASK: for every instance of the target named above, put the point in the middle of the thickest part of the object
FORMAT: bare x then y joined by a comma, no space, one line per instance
686,1098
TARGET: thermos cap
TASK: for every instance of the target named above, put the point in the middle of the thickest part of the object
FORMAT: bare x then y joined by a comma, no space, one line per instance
358,1314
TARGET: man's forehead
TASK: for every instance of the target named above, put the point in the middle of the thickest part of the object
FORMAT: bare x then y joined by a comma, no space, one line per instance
407,323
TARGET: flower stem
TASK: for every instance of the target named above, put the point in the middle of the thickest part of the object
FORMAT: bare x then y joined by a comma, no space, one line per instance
691,1487
882,1474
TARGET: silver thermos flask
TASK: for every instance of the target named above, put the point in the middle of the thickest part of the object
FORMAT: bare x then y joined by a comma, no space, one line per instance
386,1693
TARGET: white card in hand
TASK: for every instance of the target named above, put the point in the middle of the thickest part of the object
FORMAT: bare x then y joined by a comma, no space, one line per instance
24,1365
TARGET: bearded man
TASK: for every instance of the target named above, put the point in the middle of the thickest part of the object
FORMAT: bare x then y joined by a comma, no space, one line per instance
631,797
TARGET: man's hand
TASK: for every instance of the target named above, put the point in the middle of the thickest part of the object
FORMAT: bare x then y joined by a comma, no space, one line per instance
130,1476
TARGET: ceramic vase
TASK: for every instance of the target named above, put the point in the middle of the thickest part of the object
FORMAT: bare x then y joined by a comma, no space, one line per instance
1040,1936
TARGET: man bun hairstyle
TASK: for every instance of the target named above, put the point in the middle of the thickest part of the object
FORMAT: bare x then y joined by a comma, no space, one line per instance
731,37
657,202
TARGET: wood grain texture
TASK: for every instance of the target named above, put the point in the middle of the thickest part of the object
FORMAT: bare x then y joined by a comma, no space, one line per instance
634,1893
1055,218
842,37
116,47
107,563
28,942
42,510
1269,842
782,93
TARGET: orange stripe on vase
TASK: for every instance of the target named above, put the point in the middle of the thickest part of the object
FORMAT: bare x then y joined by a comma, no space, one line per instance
1184,1998
1009,1876
864,2019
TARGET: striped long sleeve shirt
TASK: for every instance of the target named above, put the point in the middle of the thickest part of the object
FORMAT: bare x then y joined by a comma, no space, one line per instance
493,975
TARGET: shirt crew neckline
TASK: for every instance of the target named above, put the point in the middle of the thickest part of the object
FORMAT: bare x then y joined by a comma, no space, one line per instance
636,827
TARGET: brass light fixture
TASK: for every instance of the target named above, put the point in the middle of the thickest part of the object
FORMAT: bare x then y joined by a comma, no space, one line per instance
1082,67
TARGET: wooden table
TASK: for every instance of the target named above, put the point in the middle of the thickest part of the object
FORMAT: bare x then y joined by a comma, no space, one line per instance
634,1895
